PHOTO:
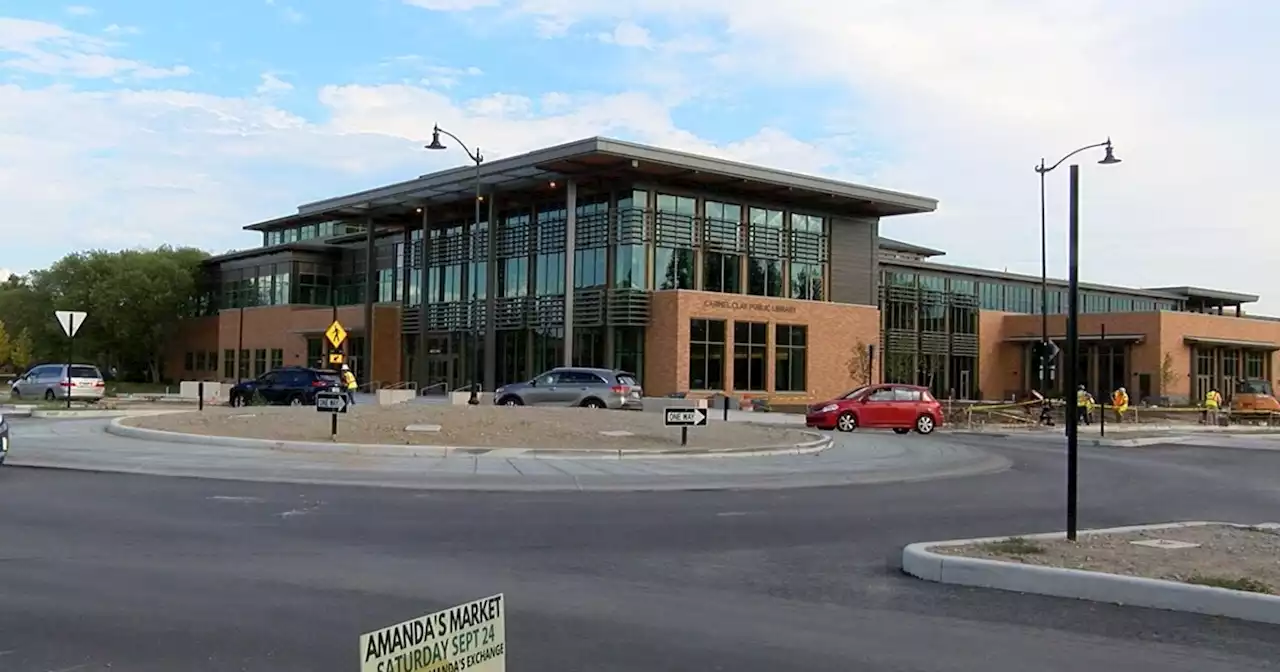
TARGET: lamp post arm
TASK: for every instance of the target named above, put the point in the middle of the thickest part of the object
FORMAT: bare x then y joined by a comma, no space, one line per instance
1042,170
474,156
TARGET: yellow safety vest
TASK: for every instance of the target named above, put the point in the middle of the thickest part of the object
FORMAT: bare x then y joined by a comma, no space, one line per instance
349,379
1211,400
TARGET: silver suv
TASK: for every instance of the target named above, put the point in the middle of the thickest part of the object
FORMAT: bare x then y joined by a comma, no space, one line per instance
573,386
50,382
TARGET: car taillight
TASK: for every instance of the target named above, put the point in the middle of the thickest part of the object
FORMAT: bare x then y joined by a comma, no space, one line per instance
65,383
319,383
99,383
619,389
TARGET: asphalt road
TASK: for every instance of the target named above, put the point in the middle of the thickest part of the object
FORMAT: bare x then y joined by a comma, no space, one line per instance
150,574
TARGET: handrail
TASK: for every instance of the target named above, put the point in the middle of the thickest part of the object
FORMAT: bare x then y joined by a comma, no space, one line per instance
403,385
422,391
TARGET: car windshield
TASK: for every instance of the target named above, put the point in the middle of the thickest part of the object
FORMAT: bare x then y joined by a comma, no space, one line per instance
328,376
85,372
855,392
624,379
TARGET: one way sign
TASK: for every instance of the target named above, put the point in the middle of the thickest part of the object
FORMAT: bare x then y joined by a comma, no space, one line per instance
685,417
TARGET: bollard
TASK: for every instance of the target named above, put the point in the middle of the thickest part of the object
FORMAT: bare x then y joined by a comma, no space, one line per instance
200,393
726,408
684,436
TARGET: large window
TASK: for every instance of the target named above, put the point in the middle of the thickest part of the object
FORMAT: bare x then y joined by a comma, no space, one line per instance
764,242
513,277
242,364
750,348
722,272
1255,365
706,354
991,296
228,364
805,251
549,274
590,267
629,262
315,352
277,358
789,364
673,235
259,362
628,273
313,285
628,350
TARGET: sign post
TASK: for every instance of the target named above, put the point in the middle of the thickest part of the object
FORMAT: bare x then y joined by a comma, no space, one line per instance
332,401
71,321
684,418
470,636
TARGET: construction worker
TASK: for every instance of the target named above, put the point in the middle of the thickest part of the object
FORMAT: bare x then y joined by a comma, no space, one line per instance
1084,406
1120,401
349,384
1212,402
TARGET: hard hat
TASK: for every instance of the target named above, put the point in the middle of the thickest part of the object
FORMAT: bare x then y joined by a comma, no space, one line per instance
345,367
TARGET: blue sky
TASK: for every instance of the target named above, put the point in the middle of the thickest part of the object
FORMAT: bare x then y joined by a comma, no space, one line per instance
138,123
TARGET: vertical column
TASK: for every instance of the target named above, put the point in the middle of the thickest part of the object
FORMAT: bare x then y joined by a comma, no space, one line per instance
370,295
424,268
611,273
570,247
491,299
467,332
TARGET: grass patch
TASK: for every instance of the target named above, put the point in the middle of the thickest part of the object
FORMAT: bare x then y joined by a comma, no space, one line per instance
1013,546
1243,583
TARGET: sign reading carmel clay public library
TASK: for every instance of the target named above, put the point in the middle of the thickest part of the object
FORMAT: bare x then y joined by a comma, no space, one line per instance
751,306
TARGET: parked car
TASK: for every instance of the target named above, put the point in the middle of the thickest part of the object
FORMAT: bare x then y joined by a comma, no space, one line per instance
289,385
574,386
50,382
901,408
4,438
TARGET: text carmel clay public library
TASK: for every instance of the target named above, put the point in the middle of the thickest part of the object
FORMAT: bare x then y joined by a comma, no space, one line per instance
746,305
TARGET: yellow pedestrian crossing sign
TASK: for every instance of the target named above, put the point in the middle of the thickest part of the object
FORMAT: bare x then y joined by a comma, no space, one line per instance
336,334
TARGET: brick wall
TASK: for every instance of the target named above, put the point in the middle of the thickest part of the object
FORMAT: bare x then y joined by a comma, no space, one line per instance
834,332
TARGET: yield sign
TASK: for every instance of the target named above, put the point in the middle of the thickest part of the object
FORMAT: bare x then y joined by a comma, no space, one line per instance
71,320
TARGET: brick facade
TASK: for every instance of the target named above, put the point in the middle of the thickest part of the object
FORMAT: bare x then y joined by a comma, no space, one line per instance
834,332
284,328
1161,334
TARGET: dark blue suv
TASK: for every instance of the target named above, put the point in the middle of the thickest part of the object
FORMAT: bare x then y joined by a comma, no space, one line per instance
289,385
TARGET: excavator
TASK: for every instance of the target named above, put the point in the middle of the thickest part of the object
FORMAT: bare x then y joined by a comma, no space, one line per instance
1254,394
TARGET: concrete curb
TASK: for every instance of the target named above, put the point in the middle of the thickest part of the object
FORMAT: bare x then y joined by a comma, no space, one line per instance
117,427
919,561
1091,442
88,414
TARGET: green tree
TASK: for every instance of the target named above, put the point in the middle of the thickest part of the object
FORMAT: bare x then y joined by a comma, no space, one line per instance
5,345
134,299
20,351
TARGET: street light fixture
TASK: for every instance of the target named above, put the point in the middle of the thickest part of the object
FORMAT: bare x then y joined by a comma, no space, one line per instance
1073,319
1046,350
478,158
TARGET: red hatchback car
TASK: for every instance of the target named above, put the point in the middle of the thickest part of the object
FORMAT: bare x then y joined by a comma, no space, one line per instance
901,408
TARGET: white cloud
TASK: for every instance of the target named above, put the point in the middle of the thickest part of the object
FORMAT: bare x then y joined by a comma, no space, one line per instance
47,49
272,84
81,10
627,34
117,29
5,274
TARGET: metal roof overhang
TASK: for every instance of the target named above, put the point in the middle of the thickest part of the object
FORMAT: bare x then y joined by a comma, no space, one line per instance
1231,343
1118,338
1231,298
1001,275
251,253
610,159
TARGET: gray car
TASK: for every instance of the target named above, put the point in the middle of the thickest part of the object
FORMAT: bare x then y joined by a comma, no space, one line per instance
574,386
50,382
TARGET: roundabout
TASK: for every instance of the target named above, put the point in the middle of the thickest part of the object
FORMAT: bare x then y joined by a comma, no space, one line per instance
721,456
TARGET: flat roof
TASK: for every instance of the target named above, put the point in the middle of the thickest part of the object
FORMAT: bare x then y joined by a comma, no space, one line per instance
899,246
600,156
299,246
1003,275
1211,294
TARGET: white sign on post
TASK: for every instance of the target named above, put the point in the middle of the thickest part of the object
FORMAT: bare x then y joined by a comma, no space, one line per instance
71,321
470,636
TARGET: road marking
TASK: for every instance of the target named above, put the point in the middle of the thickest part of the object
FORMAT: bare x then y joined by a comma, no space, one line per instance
733,514
236,498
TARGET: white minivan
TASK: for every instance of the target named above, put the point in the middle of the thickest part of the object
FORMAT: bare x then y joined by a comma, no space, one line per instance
50,382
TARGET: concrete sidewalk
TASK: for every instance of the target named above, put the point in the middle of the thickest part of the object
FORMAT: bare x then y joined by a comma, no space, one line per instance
854,458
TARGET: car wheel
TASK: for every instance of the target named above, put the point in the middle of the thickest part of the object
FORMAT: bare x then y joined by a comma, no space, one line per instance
512,401
237,401
847,422
924,424
50,396
295,400
900,430
593,403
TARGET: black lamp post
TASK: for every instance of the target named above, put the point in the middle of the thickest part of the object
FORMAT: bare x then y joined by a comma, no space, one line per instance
478,158
1071,374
